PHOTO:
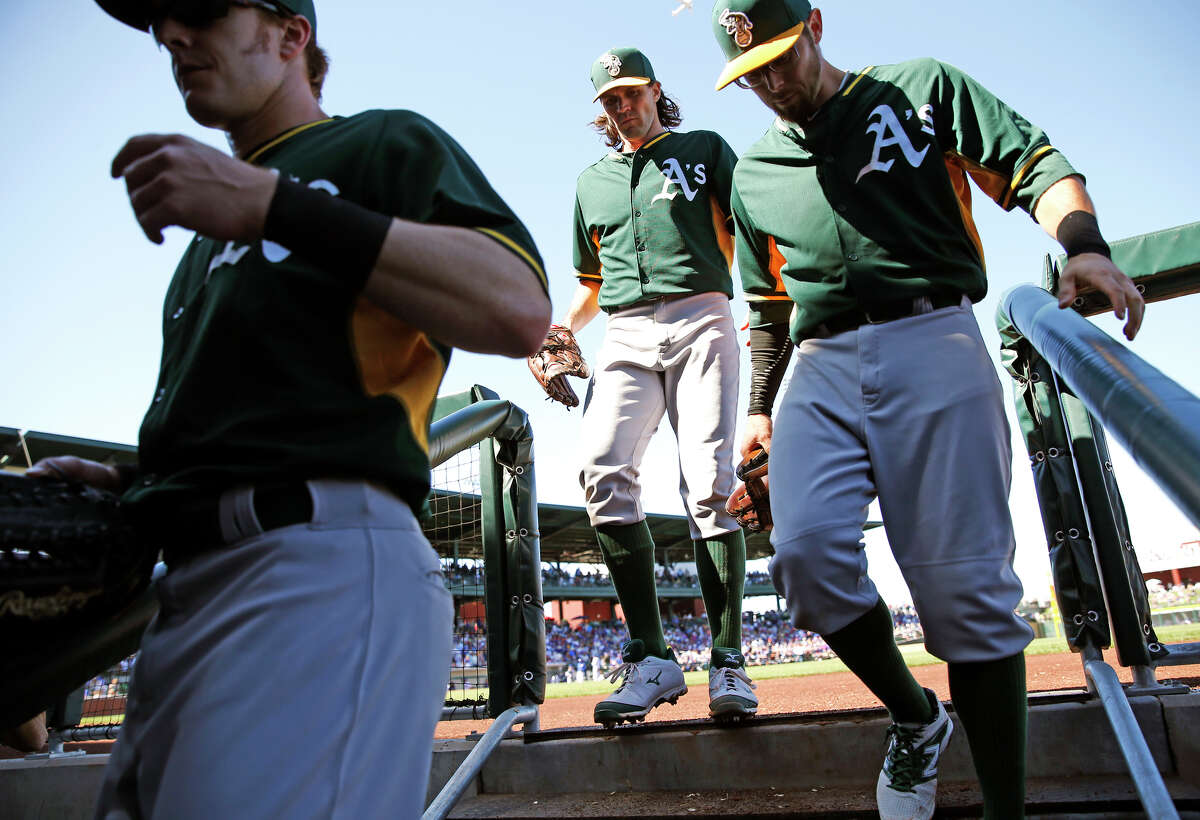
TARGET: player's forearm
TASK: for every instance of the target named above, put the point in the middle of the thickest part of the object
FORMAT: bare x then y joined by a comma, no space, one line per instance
770,352
585,304
1060,199
461,287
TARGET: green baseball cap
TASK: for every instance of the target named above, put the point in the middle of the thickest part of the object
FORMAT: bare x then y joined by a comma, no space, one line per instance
139,13
620,66
752,33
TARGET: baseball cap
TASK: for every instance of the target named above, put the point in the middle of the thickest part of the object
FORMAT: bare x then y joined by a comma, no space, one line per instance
138,13
752,33
618,67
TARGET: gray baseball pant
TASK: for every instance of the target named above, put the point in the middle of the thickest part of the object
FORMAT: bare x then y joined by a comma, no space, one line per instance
295,673
910,410
675,356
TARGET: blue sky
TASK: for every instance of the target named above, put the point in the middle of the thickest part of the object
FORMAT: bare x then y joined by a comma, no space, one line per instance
82,288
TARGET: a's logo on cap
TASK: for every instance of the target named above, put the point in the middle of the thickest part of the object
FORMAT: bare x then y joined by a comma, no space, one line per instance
611,63
737,25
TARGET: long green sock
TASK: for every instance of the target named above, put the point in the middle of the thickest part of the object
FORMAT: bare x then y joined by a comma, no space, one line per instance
721,566
992,706
868,647
629,554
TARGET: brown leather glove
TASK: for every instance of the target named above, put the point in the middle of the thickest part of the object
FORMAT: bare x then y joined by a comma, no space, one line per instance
750,503
558,358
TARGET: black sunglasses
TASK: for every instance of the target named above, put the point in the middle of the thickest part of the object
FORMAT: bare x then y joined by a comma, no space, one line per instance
203,13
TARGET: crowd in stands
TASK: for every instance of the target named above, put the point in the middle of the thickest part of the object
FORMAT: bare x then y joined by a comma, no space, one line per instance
468,574
593,648
1177,595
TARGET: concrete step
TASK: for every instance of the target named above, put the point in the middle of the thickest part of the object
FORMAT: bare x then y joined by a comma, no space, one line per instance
826,761
1078,799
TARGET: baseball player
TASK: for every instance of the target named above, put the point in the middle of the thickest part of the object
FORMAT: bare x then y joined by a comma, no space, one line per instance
304,619
653,248
856,244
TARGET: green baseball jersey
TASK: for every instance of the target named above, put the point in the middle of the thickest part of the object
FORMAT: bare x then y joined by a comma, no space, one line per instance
869,201
656,221
273,368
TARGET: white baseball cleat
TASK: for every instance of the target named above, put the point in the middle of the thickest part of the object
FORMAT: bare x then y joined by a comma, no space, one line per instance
730,692
907,786
646,681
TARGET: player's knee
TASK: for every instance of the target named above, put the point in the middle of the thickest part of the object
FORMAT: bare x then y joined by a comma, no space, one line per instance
823,578
966,610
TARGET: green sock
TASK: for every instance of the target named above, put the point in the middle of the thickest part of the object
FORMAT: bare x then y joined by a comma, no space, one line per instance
992,706
721,566
629,554
868,647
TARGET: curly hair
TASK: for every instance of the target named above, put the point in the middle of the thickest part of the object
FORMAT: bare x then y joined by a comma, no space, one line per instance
668,115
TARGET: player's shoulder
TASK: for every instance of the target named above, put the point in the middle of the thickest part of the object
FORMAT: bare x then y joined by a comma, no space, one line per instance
400,121
914,70
702,136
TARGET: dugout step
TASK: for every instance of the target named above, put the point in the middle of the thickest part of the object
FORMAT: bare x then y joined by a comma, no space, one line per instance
1073,761
1101,798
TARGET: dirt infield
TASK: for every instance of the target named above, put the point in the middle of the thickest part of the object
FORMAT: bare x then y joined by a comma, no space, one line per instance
837,690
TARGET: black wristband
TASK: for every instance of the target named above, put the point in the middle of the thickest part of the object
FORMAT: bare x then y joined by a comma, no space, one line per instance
770,352
1078,232
334,234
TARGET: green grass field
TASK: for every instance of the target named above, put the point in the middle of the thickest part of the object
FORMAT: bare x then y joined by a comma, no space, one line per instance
914,655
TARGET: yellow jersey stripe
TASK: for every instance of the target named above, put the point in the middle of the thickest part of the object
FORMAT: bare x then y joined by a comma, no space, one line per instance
656,139
861,74
519,251
1020,174
286,135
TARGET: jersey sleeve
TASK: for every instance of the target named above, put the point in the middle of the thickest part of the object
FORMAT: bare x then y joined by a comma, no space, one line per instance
586,249
1010,159
434,181
759,264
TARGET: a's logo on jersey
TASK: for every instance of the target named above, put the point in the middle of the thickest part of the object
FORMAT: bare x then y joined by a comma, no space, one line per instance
737,26
611,63
888,132
273,252
673,174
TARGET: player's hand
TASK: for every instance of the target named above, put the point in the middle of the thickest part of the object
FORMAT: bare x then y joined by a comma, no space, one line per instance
758,433
1094,271
175,180
73,468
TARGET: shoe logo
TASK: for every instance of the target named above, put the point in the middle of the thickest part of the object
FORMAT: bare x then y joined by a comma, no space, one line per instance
654,680
931,756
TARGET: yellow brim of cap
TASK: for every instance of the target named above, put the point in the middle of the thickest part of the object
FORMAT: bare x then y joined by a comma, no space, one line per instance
759,56
620,81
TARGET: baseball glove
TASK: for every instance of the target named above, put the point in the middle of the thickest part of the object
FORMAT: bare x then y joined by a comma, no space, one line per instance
70,561
559,357
750,503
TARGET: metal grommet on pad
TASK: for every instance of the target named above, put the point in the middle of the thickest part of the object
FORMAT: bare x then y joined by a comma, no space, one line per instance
1035,376
1108,466
516,601
527,675
1141,289
1093,616
527,598
1059,536
1077,619
1079,300
1039,456
1072,533
1054,452
519,470
1154,647
524,532
510,534
1146,629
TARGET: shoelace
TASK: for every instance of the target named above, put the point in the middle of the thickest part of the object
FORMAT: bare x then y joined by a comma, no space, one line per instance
729,678
627,669
904,768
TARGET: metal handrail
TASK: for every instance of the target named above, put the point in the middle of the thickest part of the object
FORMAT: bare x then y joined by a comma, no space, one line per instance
1151,789
1154,418
467,771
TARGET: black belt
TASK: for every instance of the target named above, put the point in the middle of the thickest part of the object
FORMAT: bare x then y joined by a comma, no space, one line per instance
195,527
880,312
